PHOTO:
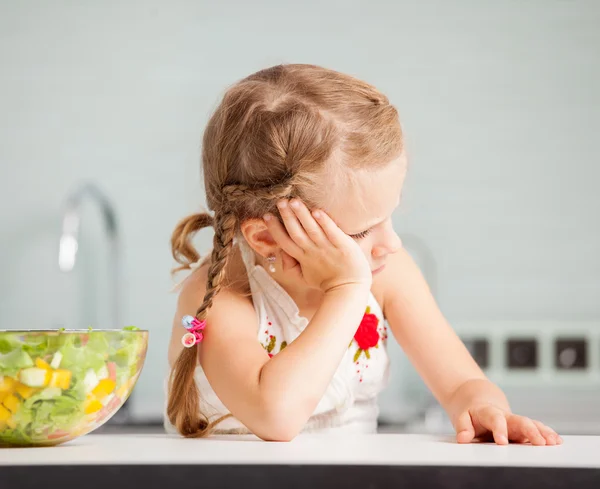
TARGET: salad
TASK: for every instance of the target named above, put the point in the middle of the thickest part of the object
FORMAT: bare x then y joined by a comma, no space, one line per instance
56,385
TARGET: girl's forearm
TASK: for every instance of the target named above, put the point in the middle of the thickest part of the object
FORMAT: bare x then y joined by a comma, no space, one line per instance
293,382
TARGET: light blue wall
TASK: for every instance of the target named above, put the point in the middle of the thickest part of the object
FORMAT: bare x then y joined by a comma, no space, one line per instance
499,101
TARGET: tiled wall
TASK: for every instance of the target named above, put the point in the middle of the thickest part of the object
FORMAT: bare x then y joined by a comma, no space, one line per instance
499,102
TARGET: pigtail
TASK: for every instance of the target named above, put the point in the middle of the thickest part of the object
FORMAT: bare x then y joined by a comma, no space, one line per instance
183,408
181,246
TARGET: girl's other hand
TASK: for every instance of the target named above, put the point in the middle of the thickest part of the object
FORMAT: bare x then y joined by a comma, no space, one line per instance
328,257
488,422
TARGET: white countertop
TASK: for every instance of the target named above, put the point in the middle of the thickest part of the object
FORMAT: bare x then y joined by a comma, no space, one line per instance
379,449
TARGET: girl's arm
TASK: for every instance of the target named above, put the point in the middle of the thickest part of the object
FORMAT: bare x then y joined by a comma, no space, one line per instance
475,405
273,397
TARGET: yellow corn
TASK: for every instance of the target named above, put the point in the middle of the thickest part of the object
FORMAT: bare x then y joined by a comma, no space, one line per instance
7,384
4,414
92,406
42,364
24,390
12,403
61,378
104,388
11,423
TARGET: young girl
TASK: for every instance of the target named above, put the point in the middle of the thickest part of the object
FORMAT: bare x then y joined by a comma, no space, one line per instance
282,329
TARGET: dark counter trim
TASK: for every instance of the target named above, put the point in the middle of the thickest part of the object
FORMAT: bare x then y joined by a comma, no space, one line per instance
294,476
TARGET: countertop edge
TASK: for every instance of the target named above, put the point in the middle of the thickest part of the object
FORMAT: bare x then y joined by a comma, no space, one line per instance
315,476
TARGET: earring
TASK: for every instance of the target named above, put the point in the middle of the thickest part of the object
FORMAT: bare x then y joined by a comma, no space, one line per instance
271,259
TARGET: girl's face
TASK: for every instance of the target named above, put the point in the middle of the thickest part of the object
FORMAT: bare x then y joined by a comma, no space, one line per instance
363,209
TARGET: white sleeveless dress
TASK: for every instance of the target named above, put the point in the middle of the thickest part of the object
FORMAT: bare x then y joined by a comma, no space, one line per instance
350,402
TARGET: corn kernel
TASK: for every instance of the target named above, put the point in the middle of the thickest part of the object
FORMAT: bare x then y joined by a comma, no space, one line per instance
42,364
104,388
4,414
61,378
12,403
93,406
24,390
7,384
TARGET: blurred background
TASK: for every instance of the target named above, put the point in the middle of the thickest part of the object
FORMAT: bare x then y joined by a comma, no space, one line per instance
102,108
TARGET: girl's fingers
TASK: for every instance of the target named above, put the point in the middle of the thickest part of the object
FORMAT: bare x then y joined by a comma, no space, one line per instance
464,428
548,433
311,227
520,427
335,235
494,420
293,226
499,429
281,237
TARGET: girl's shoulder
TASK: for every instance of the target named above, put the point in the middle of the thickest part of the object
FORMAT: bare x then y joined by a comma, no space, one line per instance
233,303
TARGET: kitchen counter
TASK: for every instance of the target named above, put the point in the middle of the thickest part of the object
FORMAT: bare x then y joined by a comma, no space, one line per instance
380,460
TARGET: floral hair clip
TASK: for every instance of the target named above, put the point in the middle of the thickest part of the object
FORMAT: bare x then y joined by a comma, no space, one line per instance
194,327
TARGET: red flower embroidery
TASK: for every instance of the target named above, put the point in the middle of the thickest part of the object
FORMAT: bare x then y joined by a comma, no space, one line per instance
366,335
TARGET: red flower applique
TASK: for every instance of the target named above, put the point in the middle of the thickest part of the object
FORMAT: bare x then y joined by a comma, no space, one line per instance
367,335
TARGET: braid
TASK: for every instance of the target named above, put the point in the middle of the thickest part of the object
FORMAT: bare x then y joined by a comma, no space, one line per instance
225,226
184,404
236,192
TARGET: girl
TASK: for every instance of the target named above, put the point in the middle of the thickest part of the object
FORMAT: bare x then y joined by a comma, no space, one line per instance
283,325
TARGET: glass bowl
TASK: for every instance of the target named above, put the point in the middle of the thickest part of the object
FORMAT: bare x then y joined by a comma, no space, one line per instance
56,385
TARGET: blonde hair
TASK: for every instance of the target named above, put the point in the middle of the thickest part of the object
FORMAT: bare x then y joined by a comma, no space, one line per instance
275,135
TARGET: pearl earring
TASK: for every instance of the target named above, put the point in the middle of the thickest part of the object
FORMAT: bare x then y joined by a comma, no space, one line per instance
271,259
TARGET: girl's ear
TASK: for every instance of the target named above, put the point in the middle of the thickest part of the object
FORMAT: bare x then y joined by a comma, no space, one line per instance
259,238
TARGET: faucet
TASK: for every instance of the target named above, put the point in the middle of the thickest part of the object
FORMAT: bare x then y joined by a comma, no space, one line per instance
69,239
69,243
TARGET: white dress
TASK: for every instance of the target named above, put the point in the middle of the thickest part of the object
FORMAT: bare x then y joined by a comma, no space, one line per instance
350,402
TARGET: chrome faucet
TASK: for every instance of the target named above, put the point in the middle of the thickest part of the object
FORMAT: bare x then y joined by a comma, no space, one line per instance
67,254
69,239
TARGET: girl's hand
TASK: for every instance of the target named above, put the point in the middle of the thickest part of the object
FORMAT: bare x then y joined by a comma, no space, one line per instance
493,424
328,257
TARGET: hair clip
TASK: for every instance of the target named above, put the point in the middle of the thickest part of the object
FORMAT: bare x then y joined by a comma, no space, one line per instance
194,327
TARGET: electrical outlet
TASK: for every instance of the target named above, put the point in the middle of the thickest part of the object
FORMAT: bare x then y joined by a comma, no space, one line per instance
522,353
570,353
479,349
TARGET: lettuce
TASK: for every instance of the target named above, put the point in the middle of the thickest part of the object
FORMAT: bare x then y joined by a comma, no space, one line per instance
53,409
12,362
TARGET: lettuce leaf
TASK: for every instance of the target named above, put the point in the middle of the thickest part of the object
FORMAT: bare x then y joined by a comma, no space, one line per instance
11,362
